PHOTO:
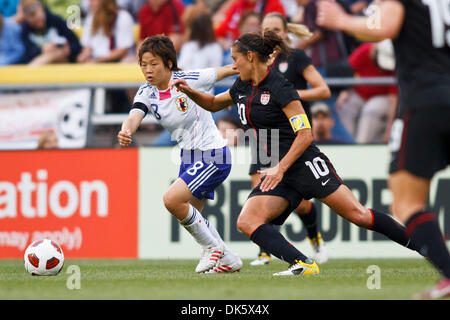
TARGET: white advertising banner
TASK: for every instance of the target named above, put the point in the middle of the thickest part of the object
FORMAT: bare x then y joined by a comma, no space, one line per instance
363,169
24,116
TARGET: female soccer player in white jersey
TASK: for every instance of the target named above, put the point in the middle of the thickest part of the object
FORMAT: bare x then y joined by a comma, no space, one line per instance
205,157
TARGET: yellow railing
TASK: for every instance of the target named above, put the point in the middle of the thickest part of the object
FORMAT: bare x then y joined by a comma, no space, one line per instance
71,73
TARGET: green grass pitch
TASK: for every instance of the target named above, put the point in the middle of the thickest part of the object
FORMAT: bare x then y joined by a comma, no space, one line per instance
176,280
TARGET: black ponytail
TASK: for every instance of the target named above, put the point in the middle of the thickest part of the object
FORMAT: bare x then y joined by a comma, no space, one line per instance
262,45
273,41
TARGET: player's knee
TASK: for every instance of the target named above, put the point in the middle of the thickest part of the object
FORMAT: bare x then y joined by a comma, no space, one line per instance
242,224
245,225
169,201
248,224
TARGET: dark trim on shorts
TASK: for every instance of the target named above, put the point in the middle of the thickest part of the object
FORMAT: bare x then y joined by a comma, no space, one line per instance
330,165
254,167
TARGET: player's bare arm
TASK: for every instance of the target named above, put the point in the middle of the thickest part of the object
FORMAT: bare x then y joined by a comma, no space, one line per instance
304,138
319,91
205,100
225,71
129,127
390,13
308,42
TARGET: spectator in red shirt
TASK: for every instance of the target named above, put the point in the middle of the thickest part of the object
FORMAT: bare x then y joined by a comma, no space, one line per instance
229,27
367,111
162,17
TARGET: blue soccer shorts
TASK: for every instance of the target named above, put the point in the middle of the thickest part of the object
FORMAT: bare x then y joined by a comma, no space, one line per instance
203,171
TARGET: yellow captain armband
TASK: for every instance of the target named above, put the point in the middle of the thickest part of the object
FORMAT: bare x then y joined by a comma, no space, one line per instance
299,122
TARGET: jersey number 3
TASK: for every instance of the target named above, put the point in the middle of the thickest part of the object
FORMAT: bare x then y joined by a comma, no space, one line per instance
440,21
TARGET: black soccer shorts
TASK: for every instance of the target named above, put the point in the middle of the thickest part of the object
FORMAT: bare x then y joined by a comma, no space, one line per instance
420,141
254,167
311,176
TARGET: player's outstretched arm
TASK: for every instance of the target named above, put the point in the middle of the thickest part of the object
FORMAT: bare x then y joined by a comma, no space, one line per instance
386,21
129,127
319,91
225,71
300,124
205,100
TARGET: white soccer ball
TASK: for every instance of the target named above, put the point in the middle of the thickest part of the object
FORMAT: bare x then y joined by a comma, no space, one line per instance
44,258
72,122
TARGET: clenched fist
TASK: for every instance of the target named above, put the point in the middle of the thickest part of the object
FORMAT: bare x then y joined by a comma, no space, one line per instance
124,138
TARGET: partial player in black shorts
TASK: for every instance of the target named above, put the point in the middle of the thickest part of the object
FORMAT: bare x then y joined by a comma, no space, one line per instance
270,107
410,141
420,136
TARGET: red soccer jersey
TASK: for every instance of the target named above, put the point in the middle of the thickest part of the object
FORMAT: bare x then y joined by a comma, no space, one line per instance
229,27
364,66
166,20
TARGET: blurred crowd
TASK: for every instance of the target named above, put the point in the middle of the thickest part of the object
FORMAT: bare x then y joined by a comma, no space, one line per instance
38,32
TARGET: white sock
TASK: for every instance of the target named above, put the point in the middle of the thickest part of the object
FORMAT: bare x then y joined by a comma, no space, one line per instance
216,235
196,225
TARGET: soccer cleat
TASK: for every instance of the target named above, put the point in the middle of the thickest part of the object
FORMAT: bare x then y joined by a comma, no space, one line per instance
319,248
300,268
262,259
209,258
228,263
440,290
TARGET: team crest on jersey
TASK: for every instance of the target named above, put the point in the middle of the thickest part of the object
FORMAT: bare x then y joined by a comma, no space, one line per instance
182,104
283,66
265,98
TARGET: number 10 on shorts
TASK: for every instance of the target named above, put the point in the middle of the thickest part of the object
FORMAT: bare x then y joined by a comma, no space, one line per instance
318,167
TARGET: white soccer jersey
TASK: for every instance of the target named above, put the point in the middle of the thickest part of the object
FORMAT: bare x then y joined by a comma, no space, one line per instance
190,125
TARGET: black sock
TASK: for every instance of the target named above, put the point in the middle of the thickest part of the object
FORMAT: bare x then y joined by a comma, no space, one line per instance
264,250
266,236
310,221
424,230
383,223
